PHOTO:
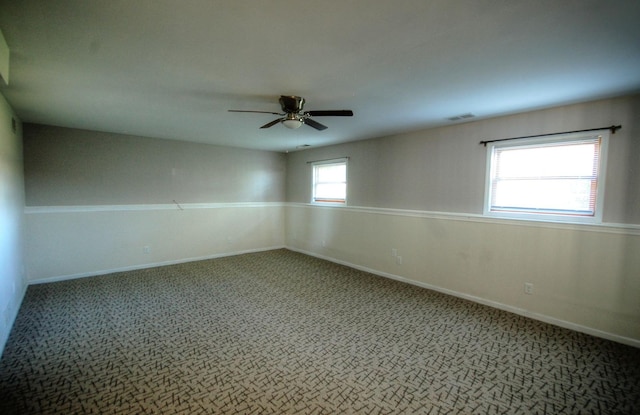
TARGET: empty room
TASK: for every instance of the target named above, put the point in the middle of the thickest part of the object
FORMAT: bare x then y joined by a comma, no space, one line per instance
338,207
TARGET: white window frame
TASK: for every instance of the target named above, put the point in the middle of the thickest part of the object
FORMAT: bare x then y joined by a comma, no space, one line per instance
539,142
314,166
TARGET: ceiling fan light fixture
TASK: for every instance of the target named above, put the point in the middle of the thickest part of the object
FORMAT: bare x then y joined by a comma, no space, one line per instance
292,123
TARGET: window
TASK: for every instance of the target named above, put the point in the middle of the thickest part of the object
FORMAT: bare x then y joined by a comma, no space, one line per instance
330,182
559,178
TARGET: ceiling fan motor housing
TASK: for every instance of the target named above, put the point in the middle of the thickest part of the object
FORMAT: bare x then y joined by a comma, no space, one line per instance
291,104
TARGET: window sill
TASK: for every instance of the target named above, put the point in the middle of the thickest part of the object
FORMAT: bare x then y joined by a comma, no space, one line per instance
551,218
328,203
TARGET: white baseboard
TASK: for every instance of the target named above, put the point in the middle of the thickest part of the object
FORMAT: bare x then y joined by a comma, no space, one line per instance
520,311
148,265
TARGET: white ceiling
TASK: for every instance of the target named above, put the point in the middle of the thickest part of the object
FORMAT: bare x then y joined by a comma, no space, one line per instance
172,68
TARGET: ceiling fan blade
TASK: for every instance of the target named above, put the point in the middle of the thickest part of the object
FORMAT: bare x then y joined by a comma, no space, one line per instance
258,112
315,124
272,123
329,113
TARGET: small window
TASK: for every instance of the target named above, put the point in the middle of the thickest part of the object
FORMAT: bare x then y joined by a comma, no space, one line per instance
547,178
330,182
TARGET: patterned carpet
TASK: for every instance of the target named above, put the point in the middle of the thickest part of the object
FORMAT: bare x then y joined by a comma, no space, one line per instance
283,333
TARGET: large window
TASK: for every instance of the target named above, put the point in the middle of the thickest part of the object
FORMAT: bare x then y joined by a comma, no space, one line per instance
330,182
547,178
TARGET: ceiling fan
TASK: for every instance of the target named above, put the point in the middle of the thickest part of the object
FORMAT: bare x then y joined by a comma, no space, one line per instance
293,115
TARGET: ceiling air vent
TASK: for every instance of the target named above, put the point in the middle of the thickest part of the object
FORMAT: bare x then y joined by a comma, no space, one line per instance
461,117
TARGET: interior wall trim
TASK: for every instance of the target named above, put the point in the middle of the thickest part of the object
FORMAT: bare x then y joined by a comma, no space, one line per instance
616,228
32,210
520,311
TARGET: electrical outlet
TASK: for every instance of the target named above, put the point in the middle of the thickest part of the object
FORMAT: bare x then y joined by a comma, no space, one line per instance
394,252
528,288
146,249
399,260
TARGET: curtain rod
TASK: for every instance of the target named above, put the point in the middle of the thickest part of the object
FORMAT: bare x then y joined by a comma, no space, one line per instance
331,159
612,128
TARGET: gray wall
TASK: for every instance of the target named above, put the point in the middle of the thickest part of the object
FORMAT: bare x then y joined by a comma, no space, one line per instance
443,169
99,202
12,280
66,167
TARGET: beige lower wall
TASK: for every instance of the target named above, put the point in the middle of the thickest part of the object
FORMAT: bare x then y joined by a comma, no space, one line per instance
584,277
70,242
